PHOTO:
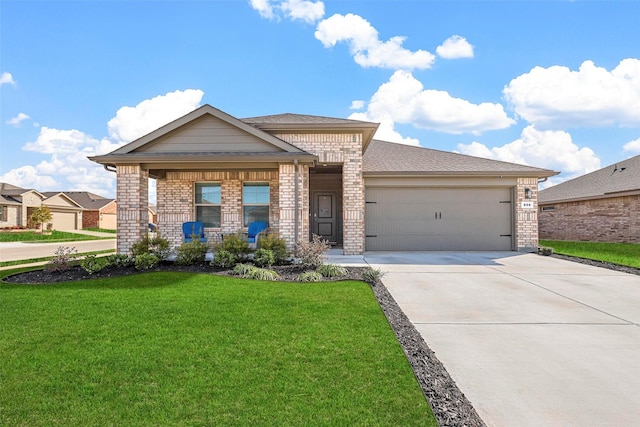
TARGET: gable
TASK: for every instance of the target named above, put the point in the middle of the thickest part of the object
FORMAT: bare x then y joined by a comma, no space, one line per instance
59,200
208,134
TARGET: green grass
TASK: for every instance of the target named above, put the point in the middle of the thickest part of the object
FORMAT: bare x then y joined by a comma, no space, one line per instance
55,236
34,260
627,254
187,349
101,230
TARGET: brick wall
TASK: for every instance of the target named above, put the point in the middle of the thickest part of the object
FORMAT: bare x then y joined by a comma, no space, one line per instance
133,201
12,216
526,218
90,219
615,219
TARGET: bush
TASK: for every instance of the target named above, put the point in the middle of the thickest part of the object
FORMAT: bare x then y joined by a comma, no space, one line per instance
63,259
223,259
92,265
371,275
156,245
236,244
277,245
264,258
332,270
243,270
119,260
309,276
545,251
146,261
310,254
263,274
190,253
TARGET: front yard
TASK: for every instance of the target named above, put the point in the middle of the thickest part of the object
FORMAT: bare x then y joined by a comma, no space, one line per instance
169,348
626,254
54,236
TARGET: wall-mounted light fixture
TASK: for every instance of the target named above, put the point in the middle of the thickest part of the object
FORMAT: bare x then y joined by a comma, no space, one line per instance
528,193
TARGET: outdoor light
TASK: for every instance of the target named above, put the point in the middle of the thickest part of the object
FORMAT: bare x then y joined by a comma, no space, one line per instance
527,193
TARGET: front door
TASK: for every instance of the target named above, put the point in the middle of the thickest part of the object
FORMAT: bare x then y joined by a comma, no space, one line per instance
323,220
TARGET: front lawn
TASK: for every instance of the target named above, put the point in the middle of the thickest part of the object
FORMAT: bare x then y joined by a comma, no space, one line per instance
627,254
55,236
172,348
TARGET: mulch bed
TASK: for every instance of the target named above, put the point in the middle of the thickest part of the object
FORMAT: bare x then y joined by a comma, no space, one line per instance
449,404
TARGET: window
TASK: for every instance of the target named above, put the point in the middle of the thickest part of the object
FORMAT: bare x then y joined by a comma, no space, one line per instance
3,213
548,208
255,202
207,201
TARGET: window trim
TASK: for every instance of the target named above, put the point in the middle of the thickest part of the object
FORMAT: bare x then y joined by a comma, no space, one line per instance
197,205
268,204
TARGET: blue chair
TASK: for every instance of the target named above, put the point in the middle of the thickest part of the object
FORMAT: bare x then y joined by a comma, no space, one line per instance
253,233
193,229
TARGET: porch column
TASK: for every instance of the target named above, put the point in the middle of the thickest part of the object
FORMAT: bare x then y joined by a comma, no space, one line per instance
353,202
527,215
133,204
287,201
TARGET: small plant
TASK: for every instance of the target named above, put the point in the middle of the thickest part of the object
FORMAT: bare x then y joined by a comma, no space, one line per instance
49,227
277,245
236,244
119,260
263,274
264,258
545,251
309,276
63,259
146,261
372,275
156,245
223,259
41,216
332,270
190,253
91,264
311,254
243,270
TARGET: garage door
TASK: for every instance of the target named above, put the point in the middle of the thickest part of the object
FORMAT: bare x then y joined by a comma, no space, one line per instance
438,219
64,220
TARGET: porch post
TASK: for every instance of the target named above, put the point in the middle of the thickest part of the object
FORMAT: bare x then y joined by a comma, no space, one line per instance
293,197
133,205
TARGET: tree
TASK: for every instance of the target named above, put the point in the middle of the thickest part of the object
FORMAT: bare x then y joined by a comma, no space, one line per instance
41,216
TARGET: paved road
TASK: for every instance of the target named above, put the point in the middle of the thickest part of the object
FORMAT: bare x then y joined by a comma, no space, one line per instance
530,340
13,251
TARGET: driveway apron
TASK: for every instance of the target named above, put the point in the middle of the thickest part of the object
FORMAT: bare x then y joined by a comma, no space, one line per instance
530,340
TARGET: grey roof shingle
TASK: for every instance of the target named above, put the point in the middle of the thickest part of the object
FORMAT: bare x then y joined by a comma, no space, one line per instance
87,200
620,177
389,157
297,119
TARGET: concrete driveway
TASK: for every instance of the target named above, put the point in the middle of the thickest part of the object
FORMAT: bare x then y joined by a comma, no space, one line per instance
530,340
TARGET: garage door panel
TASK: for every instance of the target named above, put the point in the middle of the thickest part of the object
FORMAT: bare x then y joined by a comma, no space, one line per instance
438,219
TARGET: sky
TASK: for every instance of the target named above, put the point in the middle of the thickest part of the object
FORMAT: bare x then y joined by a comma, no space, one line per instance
551,84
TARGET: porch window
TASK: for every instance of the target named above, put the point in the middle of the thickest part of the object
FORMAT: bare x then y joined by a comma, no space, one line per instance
255,202
3,213
207,200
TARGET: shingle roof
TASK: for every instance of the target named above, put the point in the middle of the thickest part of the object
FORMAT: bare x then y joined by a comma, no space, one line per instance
621,177
392,158
87,200
11,190
298,119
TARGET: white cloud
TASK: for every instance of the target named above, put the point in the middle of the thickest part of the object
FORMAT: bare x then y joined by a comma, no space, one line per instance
455,47
592,96
549,149
7,78
21,117
403,99
263,7
632,146
307,11
133,122
28,177
386,130
357,104
366,47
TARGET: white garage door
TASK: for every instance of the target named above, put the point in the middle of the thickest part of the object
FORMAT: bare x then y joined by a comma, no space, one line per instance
438,219
64,221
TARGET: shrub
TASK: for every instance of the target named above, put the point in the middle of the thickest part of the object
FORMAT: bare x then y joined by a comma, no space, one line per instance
63,259
146,261
223,259
92,265
236,244
371,275
243,270
190,253
156,245
264,258
310,254
40,216
309,276
545,251
263,274
277,245
119,260
332,270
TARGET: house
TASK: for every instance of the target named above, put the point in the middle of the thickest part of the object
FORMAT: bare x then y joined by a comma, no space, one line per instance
309,175
17,204
66,213
601,206
97,211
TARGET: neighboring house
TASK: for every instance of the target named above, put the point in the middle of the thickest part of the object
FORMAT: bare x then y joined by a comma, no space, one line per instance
66,213
97,211
602,206
17,204
309,175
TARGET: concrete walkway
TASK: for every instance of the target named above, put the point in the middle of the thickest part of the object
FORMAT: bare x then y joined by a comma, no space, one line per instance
530,340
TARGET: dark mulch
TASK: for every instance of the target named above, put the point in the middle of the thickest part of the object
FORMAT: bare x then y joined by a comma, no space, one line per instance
449,404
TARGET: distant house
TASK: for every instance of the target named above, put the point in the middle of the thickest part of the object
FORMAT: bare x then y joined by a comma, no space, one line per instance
17,204
66,213
602,206
97,211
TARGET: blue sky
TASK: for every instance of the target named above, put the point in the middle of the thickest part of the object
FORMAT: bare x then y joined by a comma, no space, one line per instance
553,84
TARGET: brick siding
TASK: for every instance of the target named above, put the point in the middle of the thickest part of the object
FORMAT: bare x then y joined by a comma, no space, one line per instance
615,219
526,226
91,219
133,202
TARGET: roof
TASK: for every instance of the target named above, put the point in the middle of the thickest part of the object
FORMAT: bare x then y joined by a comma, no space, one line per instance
610,181
300,119
50,194
87,200
11,194
389,158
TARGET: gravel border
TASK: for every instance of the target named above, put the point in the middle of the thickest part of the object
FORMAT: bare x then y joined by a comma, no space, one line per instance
601,264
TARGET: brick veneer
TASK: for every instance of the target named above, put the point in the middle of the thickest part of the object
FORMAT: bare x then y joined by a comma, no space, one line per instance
615,219
91,219
526,218
133,201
